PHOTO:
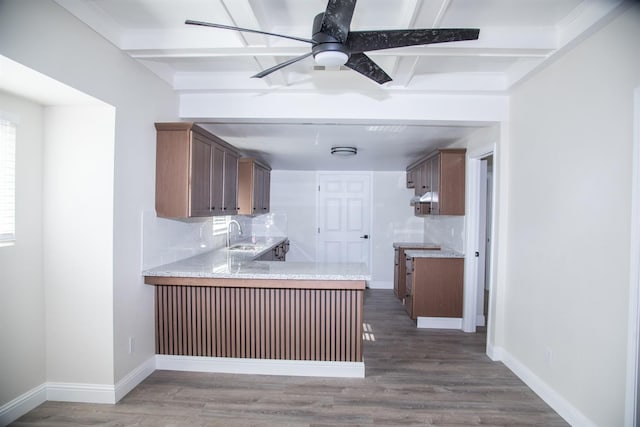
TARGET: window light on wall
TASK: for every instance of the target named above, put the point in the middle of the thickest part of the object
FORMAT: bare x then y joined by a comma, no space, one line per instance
7,182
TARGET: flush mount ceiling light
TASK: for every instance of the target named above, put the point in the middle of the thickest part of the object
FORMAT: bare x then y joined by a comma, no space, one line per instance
344,151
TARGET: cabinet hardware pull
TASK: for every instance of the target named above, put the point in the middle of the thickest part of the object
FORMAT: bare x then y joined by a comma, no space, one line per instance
366,236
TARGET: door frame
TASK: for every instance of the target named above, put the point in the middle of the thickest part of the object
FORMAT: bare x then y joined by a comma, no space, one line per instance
633,342
370,225
473,233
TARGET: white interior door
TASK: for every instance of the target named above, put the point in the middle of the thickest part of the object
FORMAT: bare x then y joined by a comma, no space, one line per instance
344,217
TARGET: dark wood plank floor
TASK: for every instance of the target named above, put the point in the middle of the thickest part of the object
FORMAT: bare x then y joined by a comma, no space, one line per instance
413,377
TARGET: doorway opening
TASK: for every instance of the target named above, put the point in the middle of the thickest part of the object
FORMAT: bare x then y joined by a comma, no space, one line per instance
479,246
485,212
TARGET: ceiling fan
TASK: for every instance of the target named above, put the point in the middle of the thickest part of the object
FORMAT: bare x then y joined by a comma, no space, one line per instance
332,44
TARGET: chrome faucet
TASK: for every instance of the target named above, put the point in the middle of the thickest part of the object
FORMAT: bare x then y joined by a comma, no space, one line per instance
233,221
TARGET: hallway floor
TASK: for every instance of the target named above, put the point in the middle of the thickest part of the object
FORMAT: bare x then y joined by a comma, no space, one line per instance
413,378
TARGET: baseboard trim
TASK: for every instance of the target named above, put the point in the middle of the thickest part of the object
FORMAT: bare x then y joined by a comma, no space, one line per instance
11,411
79,392
480,321
439,322
228,365
135,377
566,410
74,392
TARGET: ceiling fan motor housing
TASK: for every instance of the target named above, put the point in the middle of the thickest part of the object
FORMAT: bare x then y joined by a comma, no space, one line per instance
324,42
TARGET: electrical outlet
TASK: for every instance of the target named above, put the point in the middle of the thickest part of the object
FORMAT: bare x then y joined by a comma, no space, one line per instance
132,347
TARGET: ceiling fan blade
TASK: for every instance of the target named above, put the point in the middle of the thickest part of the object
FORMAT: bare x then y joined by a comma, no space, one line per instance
268,71
365,41
246,30
337,19
364,65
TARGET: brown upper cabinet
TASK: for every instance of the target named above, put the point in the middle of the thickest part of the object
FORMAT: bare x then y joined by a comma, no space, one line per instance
254,187
196,172
441,178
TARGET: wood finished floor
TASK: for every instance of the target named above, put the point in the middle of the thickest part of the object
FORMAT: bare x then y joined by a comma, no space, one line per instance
413,378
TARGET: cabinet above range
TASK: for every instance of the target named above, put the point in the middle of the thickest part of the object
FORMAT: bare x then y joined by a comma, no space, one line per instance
438,181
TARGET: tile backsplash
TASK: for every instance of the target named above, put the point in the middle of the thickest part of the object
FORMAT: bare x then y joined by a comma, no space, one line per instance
445,230
168,240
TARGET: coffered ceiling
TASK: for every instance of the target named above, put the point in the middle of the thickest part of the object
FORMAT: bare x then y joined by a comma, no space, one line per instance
516,38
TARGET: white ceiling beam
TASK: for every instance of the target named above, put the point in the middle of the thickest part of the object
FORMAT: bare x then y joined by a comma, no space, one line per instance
403,68
444,6
403,52
514,38
242,15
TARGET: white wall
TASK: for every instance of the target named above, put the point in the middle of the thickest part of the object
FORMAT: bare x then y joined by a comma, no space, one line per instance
567,283
393,221
68,51
78,243
22,349
294,193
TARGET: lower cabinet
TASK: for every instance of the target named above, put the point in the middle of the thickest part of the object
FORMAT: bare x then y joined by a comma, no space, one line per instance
400,272
434,287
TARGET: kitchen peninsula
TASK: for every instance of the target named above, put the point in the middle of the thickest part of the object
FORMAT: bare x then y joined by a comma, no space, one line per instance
226,306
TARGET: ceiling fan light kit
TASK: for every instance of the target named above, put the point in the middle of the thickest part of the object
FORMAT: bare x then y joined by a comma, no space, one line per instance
344,151
334,44
331,58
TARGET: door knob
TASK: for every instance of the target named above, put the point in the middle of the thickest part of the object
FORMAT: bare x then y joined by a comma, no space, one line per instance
366,236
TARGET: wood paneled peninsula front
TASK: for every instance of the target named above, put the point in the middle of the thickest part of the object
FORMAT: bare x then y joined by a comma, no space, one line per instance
227,304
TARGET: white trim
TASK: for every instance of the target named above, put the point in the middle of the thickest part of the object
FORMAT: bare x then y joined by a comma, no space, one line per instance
633,358
473,183
480,320
11,411
494,353
469,309
74,392
230,365
133,378
563,407
439,322
80,392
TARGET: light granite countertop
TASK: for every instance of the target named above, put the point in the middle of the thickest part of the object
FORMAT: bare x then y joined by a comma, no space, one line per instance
431,253
240,264
397,245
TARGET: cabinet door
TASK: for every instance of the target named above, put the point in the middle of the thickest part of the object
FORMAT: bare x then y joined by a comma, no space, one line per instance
396,272
200,178
434,173
258,189
266,191
217,179
452,183
409,287
437,290
411,178
261,189
230,190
